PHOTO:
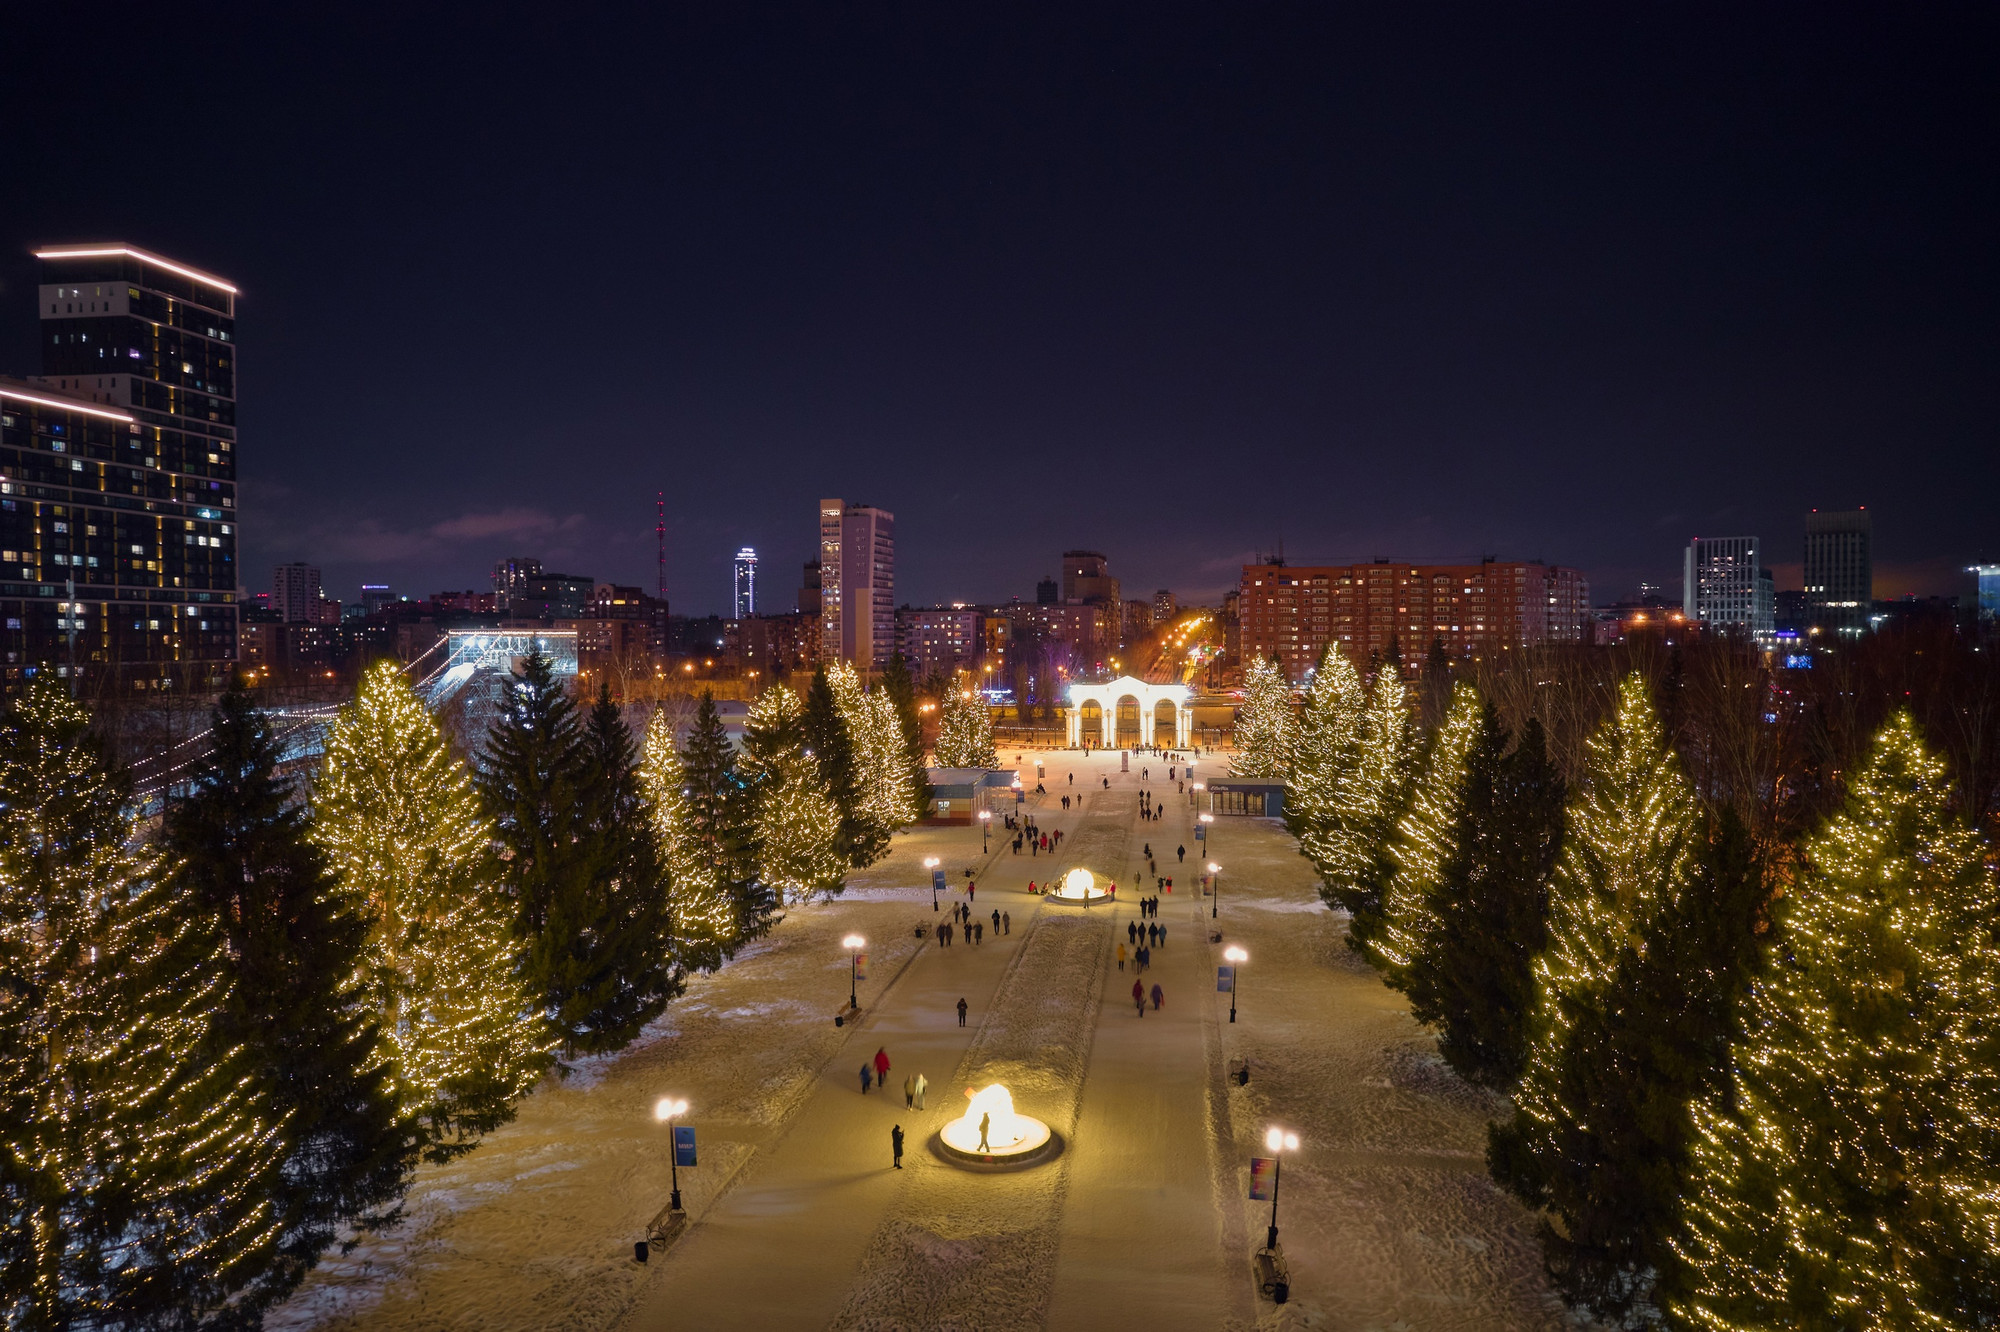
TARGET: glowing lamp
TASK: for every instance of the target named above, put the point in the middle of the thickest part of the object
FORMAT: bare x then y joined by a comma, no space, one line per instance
1278,1140
668,1108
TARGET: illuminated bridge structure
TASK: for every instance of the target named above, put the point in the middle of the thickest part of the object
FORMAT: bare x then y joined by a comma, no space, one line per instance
470,672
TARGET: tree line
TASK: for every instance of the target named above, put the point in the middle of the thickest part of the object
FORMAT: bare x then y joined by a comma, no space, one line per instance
1728,937
227,1040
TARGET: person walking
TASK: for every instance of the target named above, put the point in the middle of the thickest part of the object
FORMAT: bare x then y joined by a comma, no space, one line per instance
1163,936
921,1085
1132,933
1159,996
961,1011
867,1075
1139,996
996,920
985,1122
909,1093
882,1067
1121,957
971,891
896,1144
1180,853
1006,922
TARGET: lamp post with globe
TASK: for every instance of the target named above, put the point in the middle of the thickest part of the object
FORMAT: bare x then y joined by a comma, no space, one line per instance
1236,957
931,863
1277,1142
667,1110
854,943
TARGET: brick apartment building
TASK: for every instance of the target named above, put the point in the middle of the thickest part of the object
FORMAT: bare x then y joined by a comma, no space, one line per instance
1292,612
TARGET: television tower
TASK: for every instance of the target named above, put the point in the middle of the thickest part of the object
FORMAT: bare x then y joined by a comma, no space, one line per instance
660,534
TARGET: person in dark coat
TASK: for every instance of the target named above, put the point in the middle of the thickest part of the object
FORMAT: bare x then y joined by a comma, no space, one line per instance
961,1012
896,1144
1006,922
1159,996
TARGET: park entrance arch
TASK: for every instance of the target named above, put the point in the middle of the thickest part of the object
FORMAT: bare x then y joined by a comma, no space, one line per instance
1163,714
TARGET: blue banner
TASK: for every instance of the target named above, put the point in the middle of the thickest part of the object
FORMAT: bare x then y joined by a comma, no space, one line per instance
1225,979
683,1145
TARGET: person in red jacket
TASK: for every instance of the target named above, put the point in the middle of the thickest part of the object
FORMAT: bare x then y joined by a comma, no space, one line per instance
882,1067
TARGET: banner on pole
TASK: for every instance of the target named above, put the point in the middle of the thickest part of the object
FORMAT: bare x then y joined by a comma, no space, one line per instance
937,881
1201,832
861,966
683,1145
1225,979
1263,1175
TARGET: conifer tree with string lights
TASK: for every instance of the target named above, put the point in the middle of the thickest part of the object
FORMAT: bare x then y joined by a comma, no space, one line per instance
895,802
1424,840
1848,1176
1325,749
606,949
901,687
798,824
239,842
1372,804
702,916
1264,723
722,822
834,746
141,1156
400,822
1475,982
965,733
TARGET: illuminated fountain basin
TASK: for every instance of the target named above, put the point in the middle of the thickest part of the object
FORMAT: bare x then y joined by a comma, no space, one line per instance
1078,888
1013,1140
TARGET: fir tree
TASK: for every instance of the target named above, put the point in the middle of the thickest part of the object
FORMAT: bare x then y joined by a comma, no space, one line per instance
1475,984
1610,1175
1847,1177
721,822
1325,755
140,1163
607,951
965,734
1592,1104
798,824
901,688
1375,802
242,854
701,920
894,798
402,825
1263,723
830,740
1424,842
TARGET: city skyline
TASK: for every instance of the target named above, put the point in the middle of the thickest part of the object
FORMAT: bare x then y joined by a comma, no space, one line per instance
1442,363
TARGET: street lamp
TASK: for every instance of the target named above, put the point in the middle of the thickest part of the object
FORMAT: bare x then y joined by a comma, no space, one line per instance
1278,1142
931,863
985,829
667,1110
1214,889
1208,844
1236,957
1194,793
854,943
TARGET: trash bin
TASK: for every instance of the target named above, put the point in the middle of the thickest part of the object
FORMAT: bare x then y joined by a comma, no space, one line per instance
641,1251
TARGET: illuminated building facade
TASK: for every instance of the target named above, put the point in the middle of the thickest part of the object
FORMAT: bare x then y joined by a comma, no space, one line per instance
745,589
118,477
938,640
857,563
1839,571
1726,585
1292,613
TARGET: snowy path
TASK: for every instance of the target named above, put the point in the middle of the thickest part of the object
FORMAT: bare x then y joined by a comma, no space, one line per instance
1387,1216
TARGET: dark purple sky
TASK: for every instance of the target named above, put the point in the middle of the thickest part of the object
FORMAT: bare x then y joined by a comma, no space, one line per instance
1171,282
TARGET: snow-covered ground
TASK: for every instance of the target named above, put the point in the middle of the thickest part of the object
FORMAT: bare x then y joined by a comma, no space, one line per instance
1387,1216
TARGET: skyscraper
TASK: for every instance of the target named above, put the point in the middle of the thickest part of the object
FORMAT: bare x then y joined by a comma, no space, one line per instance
1087,580
1839,570
1989,590
1726,585
295,593
746,583
857,561
120,475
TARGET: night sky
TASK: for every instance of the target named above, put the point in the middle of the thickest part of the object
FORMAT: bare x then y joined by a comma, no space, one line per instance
1176,283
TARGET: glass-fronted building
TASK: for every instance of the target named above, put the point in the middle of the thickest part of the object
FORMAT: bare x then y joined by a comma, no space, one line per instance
118,518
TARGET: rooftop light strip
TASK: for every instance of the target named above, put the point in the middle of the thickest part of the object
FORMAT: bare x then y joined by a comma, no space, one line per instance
65,405
99,251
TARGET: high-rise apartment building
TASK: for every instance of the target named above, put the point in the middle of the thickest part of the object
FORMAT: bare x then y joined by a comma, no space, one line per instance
511,575
1087,580
118,472
1839,571
1165,606
1725,584
745,582
295,593
857,562
938,640
1292,613
1989,591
